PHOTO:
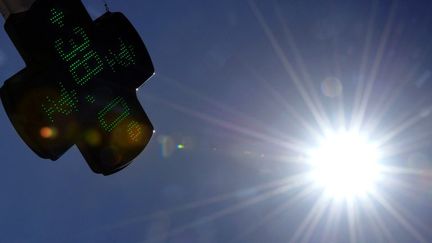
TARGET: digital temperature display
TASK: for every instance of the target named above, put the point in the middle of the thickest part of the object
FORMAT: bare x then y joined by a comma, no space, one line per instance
79,85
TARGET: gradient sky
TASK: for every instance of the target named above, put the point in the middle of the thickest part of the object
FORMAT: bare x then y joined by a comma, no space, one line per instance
228,110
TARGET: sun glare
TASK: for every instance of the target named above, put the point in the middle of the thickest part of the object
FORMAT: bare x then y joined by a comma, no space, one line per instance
345,165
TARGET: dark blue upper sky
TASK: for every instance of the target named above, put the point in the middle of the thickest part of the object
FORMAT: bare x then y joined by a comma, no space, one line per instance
228,88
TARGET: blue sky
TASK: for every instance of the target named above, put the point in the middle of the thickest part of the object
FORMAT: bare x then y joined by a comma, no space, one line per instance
226,89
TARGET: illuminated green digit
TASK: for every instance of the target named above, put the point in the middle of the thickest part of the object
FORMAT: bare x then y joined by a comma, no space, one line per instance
83,70
135,131
57,17
124,57
117,103
84,62
65,104
79,44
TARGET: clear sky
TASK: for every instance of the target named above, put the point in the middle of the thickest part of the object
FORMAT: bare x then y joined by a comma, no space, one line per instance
240,86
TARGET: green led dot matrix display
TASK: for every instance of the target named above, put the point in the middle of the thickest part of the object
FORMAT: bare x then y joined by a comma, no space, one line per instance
81,75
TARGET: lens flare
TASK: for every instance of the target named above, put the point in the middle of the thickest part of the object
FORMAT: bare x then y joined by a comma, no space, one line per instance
345,165
48,132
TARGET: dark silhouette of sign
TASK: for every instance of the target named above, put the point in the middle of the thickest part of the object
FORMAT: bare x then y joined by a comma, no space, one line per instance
79,84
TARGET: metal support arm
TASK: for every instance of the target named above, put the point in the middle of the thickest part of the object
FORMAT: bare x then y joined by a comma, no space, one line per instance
8,7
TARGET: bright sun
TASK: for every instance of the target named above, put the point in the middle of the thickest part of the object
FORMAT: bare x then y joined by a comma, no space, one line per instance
345,165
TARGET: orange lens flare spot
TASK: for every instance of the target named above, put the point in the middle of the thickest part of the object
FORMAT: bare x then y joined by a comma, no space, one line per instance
48,132
135,131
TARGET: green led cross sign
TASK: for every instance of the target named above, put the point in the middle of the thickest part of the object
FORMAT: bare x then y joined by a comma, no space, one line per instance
79,85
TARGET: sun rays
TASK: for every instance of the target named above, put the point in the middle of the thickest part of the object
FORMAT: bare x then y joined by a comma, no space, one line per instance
346,165
358,121
327,217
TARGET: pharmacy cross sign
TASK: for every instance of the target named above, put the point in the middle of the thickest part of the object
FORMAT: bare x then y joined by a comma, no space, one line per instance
79,85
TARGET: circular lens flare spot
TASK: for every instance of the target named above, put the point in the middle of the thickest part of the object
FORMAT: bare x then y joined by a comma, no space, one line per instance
345,165
93,137
48,132
332,87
